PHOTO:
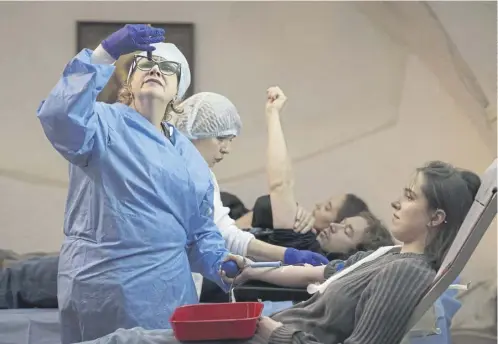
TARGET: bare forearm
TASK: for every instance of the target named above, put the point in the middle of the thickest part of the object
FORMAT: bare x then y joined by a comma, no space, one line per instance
280,179
279,168
261,250
289,276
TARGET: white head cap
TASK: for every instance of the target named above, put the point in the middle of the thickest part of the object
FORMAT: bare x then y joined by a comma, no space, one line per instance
208,114
170,52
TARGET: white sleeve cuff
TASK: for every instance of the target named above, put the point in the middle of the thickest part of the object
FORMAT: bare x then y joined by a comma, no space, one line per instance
236,240
100,56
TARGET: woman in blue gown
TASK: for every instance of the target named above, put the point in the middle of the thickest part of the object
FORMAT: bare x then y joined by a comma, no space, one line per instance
139,211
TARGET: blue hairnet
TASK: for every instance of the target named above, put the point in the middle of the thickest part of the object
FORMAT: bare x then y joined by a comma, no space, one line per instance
207,115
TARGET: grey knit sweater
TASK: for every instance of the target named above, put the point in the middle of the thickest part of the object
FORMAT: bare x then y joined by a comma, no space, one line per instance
371,305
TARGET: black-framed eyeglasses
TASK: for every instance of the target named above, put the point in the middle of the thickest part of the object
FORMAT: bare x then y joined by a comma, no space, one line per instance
166,67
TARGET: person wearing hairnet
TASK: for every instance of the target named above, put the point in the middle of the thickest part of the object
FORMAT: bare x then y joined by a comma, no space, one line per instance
211,122
140,199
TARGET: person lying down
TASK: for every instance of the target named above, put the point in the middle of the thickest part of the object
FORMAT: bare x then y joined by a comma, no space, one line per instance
373,303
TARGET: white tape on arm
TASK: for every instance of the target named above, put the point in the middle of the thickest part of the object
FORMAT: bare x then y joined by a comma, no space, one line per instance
100,56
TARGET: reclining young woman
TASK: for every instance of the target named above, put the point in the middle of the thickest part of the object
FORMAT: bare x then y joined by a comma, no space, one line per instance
333,209
373,303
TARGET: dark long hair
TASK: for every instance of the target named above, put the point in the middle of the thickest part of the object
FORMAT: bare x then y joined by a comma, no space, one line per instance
453,191
352,206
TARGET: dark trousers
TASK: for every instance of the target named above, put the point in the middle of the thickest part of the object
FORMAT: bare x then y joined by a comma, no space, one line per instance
30,283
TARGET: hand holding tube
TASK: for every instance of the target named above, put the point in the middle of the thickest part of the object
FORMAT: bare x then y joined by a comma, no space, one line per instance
132,37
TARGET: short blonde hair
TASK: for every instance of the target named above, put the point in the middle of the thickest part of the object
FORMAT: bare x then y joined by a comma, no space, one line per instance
125,96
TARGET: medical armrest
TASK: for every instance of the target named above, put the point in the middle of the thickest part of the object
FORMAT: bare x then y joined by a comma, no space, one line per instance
257,290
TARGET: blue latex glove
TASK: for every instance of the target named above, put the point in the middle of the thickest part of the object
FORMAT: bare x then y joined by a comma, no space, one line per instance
293,256
132,37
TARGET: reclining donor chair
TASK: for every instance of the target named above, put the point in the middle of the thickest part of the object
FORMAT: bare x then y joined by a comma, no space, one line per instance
478,220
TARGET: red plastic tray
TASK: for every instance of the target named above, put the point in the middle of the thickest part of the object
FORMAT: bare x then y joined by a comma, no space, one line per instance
216,321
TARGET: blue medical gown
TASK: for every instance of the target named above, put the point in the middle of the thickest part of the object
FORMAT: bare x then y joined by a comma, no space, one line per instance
138,217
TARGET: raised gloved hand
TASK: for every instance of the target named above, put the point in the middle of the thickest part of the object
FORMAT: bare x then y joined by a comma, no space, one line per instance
293,256
132,37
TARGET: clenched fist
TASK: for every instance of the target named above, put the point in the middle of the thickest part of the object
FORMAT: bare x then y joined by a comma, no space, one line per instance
275,99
